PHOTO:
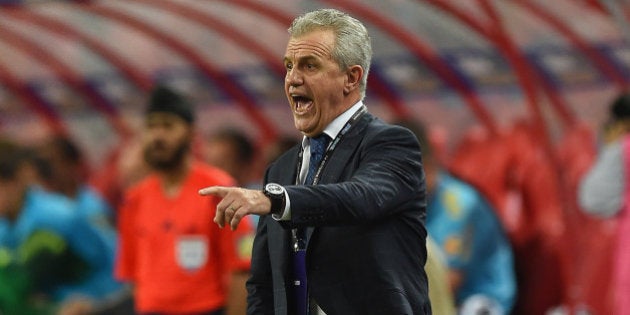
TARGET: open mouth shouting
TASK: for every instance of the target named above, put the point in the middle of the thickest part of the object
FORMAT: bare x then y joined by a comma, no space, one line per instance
301,104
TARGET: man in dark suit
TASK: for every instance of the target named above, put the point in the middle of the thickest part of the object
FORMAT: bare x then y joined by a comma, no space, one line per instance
342,227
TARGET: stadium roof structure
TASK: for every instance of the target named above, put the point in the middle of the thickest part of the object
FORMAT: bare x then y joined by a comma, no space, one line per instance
67,59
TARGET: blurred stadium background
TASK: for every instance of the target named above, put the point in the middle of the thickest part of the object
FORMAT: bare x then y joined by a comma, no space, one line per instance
514,92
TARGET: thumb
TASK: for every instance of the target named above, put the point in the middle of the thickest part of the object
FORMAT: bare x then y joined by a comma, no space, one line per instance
219,191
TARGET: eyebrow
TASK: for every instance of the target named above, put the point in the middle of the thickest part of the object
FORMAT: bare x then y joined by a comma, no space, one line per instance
301,59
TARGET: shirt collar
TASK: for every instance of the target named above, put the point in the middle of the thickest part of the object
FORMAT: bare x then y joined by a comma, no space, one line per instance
334,128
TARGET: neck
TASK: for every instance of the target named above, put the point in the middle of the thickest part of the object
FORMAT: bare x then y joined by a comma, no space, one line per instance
173,178
72,191
16,208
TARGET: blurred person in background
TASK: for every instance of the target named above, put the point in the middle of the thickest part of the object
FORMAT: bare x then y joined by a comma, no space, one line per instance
276,148
604,192
232,151
178,260
122,167
466,228
67,174
440,293
65,171
50,254
602,189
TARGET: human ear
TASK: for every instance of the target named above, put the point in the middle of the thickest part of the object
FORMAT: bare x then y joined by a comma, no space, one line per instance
353,78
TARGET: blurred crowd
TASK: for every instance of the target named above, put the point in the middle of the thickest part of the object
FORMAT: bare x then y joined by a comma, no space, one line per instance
514,228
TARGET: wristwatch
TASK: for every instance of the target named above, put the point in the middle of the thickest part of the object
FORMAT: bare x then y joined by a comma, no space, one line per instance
275,193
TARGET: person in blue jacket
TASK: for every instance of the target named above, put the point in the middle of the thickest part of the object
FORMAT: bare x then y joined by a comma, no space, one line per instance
50,253
462,222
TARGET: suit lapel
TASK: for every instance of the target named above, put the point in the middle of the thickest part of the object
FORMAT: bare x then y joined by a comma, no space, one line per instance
333,169
290,162
343,152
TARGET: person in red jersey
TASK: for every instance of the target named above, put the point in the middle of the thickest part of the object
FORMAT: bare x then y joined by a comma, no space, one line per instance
178,261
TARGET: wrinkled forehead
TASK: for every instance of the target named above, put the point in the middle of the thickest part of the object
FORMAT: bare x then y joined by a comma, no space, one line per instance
319,43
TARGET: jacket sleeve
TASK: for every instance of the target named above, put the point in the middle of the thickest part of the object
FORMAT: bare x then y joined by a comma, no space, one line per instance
386,174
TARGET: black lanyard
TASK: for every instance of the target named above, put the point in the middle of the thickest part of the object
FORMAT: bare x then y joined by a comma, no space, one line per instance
332,145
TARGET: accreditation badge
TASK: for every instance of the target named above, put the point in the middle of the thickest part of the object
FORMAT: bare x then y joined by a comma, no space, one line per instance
191,252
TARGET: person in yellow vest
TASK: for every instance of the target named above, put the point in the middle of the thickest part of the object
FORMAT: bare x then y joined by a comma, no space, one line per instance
440,294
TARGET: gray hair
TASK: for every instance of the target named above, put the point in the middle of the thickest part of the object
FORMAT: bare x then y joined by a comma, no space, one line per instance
352,41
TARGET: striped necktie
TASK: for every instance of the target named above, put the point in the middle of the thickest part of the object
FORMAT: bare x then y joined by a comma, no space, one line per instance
318,146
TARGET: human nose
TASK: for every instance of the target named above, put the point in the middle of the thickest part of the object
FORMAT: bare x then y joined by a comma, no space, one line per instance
293,77
156,133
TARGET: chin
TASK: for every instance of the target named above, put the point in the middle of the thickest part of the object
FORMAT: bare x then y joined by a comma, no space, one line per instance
306,131
300,125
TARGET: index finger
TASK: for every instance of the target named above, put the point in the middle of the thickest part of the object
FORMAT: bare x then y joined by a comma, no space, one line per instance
219,191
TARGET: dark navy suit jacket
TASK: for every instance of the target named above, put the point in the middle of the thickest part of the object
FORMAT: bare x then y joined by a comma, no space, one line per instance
366,251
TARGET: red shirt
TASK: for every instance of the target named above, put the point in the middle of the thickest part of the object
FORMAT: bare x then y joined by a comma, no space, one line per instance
178,258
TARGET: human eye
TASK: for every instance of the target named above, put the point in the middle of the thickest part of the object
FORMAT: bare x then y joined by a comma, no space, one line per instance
288,65
150,124
310,64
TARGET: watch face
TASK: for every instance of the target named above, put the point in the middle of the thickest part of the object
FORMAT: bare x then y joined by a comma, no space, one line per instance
274,188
